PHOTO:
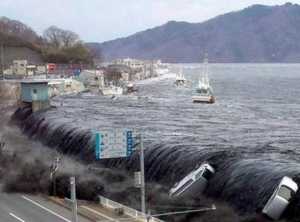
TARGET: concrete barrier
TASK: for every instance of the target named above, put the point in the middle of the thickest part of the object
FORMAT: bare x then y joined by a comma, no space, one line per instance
127,210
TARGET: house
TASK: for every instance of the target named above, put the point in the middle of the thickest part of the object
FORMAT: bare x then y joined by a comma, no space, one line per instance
79,84
65,86
30,69
22,67
35,94
93,78
19,67
131,63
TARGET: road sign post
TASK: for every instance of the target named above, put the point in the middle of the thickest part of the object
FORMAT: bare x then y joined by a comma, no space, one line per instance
113,145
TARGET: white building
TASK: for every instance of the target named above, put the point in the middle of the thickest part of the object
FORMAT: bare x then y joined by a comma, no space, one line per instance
19,67
131,63
94,77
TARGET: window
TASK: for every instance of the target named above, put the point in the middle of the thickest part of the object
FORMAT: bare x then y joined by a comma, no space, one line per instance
199,174
35,91
286,193
207,174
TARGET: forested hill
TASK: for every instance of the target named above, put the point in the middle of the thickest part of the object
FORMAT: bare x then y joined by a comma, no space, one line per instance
258,33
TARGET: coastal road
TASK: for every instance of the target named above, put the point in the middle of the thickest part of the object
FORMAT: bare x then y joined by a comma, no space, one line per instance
32,208
35,208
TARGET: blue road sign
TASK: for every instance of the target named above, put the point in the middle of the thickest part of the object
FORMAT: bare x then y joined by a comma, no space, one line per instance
113,144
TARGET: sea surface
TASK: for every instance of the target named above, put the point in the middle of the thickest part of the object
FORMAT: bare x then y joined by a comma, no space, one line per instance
250,134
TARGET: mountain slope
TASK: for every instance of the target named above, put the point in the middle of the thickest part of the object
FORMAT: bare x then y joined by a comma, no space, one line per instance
256,34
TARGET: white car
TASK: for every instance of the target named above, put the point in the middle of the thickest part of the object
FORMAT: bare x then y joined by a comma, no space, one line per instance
281,197
195,182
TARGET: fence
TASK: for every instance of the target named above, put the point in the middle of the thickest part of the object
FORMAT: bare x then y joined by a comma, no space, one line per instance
127,210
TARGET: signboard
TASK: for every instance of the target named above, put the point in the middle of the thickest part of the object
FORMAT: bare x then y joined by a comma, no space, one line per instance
137,179
113,144
52,66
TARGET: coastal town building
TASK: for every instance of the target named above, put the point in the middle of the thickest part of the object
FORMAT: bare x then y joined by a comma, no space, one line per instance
131,63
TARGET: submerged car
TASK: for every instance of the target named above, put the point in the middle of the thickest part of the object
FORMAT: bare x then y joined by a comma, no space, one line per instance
281,197
195,182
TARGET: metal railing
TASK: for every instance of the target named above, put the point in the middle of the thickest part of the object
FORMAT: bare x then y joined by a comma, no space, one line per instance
128,211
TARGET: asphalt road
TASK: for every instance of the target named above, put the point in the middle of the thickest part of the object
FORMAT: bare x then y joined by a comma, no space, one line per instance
36,208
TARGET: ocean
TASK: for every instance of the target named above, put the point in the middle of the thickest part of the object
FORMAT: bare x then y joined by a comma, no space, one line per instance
250,134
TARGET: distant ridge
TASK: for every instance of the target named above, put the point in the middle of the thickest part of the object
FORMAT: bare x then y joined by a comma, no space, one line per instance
257,34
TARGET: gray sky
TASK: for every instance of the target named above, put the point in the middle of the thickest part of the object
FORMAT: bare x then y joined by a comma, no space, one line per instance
104,20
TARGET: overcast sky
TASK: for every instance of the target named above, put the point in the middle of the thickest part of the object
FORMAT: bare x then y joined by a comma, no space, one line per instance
104,20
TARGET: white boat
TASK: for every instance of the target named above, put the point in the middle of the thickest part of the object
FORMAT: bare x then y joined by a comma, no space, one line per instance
203,93
130,87
111,89
181,79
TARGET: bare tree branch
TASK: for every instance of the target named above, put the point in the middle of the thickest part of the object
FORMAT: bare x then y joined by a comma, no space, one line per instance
60,38
53,36
14,27
69,38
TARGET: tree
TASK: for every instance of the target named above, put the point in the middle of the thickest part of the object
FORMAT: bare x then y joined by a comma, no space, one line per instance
78,53
96,55
53,36
69,38
16,28
59,37
56,55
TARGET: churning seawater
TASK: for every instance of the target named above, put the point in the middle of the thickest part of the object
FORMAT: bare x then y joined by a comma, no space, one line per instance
250,134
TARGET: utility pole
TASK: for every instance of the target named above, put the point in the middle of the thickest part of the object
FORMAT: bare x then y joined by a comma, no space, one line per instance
73,199
2,59
139,177
142,169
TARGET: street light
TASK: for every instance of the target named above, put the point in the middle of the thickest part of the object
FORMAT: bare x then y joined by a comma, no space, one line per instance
71,67
52,175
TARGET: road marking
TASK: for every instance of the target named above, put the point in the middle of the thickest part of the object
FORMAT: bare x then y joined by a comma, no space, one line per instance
45,209
16,217
96,212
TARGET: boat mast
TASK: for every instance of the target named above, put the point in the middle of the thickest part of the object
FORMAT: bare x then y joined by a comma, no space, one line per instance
205,62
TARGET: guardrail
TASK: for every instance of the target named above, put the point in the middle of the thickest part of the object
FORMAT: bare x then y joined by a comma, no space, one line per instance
129,211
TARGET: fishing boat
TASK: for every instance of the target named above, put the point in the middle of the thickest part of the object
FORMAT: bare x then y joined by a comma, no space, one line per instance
112,89
181,79
203,93
130,87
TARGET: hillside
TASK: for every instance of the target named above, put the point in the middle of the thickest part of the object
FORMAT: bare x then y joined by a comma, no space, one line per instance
20,53
258,33
20,42
15,47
